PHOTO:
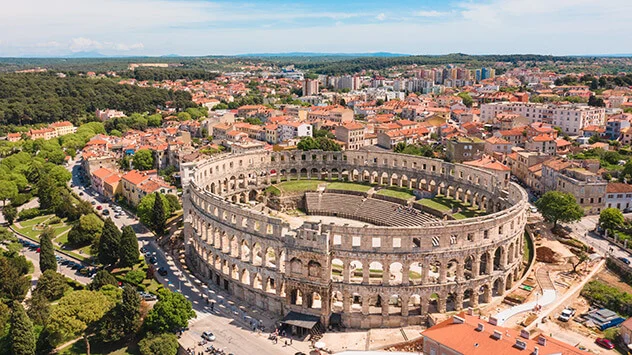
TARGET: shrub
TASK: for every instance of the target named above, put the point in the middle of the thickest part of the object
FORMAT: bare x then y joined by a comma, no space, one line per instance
54,220
134,277
29,213
21,199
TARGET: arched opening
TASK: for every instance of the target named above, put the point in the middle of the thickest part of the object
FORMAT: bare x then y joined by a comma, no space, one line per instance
483,270
245,277
314,269
270,286
245,251
450,302
498,287
434,272
414,305
316,301
395,305
396,274
355,270
451,270
468,298
484,294
257,259
433,303
356,303
376,271
375,304
296,266
337,268
415,273
467,267
271,259
498,259
257,282
337,302
296,297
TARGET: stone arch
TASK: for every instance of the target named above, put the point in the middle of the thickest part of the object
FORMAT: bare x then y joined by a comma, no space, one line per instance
337,269
498,287
415,273
484,294
245,277
484,264
296,266
296,297
314,269
396,273
315,300
451,302
395,304
433,303
468,267
270,258
376,270
498,258
355,272
257,281
469,298
414,305
257,254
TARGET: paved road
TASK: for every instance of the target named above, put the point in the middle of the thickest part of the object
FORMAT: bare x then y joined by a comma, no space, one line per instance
582,231
232,331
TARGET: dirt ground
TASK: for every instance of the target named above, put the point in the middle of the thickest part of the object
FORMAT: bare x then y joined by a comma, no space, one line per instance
610,278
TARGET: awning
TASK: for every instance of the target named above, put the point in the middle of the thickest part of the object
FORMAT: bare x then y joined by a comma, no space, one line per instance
301,320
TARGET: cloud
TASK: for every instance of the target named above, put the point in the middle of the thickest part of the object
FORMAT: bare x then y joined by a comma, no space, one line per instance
381,17
430,13
82,44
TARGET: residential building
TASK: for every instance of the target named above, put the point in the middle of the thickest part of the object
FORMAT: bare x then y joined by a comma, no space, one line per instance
466,334
615,124
619,196
571,118
352,134
137,184
291,130
460,149
310,87
389,138
497,145
542,143
108,114
527,166
62,128
587,187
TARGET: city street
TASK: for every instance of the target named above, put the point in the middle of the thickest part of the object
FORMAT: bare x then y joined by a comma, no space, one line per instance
582,231
225,321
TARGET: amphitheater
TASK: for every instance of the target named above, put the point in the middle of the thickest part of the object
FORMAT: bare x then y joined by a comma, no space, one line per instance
357,258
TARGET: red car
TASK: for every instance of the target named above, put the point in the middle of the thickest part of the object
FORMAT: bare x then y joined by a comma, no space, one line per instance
99,207
604,343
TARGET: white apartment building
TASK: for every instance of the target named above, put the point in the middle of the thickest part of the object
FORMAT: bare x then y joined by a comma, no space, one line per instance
290,130
570,118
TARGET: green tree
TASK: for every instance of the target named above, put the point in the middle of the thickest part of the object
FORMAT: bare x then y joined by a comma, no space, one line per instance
128,248
557,206
123,321
21,334
8,190
76,314
109,243
171,312
174,204
38,309
13,284
611,218
102,278
160,344
145,209
307,143
47,191
143,160
467,99
47,251
154,120
86,230
10,213
51,285
184,116
159,215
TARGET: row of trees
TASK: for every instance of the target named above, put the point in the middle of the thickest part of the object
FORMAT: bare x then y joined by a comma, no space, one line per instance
154,210
46,98
322,143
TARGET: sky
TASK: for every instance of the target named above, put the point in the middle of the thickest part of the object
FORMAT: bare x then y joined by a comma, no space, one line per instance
201,27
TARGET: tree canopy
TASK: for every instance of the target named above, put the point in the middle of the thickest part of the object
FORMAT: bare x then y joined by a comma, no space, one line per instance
128,247
611,218
22,336
557,206
143,160
109,243
170,313
47,259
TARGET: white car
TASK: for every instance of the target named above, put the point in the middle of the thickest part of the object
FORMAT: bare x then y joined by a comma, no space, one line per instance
208,336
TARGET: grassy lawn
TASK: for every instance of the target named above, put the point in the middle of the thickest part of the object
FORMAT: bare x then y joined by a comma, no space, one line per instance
32,222
29,229
444,204
349,186
434,205
79,348
299,185
404,194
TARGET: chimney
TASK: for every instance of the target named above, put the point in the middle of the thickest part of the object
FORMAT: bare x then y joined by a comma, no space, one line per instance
542,340
520,344
470,311
497,335
480,327
535,351
525,334
457,320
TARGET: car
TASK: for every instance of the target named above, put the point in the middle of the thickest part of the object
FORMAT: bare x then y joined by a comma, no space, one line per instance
106,212
533,209
625,260
65,262
162,271
99,208
153,260
76,266
80,193
143,249
604,343
566,314
93,203
148,297
208,336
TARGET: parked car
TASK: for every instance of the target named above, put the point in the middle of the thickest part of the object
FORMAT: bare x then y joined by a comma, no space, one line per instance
93,202
153,260
80,193
148,296
566,314
625,260
162,271
208,336
604,343
106,212
99,208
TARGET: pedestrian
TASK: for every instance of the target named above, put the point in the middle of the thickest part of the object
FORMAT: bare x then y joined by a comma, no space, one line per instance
290,341
286,342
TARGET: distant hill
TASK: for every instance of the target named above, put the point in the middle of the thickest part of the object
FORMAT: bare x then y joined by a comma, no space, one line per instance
316,54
